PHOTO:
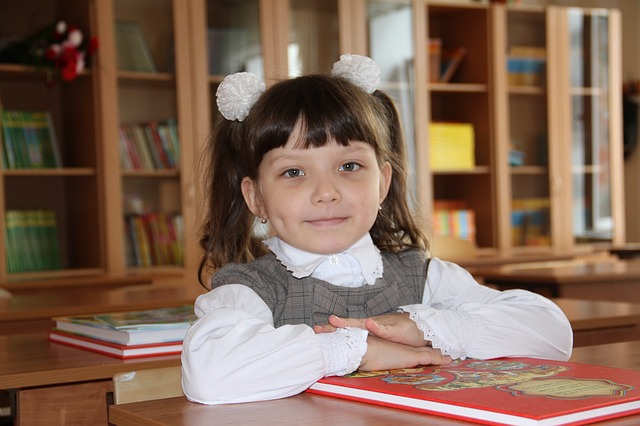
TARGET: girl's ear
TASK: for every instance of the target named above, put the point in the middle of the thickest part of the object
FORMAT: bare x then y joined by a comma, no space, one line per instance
252,197
386,173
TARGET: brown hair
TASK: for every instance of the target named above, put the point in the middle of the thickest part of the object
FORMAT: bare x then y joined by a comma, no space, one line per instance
330,108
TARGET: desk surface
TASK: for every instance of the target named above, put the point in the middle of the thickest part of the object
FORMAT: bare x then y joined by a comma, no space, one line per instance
626,251
38,307
562,273
28,360
308,409
593,314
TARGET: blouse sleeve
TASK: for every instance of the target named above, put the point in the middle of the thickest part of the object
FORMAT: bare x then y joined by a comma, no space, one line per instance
233,353
466,319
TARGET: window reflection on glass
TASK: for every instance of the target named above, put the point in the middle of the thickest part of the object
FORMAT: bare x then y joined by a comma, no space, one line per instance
233,37
313,41
592,215
391,46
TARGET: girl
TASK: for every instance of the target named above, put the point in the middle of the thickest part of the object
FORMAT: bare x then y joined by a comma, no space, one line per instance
342,282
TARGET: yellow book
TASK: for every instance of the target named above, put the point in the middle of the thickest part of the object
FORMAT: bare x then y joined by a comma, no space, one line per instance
451,146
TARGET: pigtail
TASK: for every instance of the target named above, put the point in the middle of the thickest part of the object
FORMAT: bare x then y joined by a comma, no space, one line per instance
397,227
227,231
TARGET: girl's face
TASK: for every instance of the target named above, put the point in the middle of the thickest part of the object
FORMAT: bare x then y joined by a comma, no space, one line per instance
321,200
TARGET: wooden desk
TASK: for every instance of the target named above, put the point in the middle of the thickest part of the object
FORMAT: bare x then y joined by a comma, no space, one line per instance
54,383
627,251
30,312
16,287
597,322
617,281
308,409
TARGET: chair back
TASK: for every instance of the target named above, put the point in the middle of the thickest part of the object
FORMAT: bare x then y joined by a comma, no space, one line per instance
453,249
144,385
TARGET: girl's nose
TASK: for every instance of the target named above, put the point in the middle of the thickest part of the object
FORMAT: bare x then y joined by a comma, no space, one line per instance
326,190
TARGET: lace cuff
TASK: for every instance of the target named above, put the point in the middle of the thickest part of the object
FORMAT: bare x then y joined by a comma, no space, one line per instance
343,350
421,317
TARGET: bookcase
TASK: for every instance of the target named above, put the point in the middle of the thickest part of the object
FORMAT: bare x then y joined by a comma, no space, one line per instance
562,115
547,129
521,120
73,192
94,195
546,147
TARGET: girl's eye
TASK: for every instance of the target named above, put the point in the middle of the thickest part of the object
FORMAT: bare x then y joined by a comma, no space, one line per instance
293,173
349,167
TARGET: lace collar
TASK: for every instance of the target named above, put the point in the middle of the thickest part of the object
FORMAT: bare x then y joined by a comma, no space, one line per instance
359,264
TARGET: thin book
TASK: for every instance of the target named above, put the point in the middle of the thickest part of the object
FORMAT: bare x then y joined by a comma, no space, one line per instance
133,327
506,391
114,349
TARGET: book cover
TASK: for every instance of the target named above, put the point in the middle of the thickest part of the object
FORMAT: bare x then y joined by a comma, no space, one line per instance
451,146
113,349
435,52
450,62
31,238
131,328
133,49
508,391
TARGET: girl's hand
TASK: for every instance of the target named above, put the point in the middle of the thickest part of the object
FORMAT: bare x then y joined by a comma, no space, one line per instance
397,328
385,355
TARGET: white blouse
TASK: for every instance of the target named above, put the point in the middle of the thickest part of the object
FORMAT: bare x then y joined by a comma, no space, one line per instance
233,353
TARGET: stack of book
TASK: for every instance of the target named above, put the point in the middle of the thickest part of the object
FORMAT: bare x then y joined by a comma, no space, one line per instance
530,221
526,65
154,239
31,239
451,146
452,218
28,140
153,145
125,335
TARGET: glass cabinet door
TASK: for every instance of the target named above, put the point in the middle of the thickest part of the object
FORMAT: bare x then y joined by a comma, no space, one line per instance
313,36
390,45
525,61
233,37
594,134
150,134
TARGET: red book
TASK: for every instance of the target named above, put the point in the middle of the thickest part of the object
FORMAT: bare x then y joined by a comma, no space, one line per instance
114,349
507,391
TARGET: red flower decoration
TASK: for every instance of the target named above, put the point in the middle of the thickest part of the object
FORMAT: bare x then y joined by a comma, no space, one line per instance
65,52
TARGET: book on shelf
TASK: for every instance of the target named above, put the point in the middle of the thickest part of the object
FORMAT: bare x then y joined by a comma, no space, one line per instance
450,61
508,391
28,140
435,51
115,349
458,223
152,145
31,241
530,221
443,61
154,239
526,65
451,146
133,49
131,328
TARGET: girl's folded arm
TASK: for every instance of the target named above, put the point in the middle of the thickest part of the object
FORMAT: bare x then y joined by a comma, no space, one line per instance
467,319
233,353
